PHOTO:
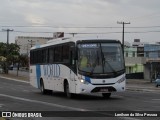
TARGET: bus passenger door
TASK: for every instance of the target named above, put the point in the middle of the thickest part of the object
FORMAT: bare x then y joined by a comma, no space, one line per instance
72,81
72,74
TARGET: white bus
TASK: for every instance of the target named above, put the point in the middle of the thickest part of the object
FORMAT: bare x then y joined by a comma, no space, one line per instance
78,66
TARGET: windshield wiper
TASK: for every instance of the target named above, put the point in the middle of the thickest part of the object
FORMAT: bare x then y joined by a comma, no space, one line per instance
113,70
104,62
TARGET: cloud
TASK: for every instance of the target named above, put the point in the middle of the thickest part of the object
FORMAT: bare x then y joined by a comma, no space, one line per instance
83,13
34,19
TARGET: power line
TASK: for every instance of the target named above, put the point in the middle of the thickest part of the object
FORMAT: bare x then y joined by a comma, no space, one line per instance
89,27
89,32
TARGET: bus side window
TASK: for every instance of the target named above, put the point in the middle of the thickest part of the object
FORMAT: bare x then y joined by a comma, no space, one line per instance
51,55
65,55
70,58
58,54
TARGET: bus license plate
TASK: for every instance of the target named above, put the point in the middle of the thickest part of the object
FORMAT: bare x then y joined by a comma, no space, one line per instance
103,90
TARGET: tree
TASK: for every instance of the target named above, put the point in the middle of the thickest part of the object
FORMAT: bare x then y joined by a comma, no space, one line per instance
13,53
10,52
2,59
24,60
2,62
3,49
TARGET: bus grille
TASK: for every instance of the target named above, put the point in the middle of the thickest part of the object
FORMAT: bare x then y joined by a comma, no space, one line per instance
104,89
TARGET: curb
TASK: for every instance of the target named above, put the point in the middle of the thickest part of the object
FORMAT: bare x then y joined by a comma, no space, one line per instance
144,89
14,79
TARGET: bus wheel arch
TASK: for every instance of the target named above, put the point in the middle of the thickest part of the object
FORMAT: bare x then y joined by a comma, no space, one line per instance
66,89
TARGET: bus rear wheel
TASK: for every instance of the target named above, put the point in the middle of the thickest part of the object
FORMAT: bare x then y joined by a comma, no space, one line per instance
43,90
67,92
106,95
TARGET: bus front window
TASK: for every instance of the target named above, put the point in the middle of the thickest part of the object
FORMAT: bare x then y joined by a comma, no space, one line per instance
100,58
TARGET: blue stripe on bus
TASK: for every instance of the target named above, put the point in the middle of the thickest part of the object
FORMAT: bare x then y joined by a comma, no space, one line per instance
87,79
38,74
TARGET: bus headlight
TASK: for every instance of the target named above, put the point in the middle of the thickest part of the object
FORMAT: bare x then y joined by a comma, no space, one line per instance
84,81
121,80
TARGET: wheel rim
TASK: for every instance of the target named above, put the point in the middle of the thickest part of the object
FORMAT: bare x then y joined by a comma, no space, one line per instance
42,87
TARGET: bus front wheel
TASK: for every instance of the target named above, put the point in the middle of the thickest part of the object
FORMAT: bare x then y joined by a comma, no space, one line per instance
66,89
106,95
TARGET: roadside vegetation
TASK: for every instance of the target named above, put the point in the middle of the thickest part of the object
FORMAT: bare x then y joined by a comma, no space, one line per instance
10,56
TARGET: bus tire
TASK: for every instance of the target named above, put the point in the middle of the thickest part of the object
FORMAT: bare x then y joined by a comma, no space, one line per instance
43,90
106,95
66,90
156,85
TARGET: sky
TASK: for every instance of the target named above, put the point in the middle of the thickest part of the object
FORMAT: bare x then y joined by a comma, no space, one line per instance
91,18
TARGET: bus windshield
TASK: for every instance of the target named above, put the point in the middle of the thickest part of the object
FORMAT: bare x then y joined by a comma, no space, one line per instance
100,58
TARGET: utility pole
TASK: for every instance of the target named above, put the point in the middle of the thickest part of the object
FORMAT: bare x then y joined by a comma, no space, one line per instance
123,23
7,30
73,34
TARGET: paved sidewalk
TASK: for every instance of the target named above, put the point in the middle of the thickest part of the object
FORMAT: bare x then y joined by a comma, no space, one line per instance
141,85
131,84
15,77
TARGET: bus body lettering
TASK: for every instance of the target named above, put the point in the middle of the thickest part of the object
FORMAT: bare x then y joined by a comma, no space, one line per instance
51,70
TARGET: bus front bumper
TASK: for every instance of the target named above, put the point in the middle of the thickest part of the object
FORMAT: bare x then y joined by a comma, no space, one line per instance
89,88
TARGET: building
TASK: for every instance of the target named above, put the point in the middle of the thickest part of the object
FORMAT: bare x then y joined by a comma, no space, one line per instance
130,51
142,58
134,57
133,63
26,42
152,66
138,43
152,50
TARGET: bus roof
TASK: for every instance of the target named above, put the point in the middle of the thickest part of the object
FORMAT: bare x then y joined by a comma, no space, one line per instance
70,39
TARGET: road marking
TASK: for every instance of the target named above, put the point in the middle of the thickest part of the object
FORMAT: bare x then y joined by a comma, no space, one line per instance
1,105
61,106
52,104
26,91
156,99
119,96
41,102
141,90
14,79
13,88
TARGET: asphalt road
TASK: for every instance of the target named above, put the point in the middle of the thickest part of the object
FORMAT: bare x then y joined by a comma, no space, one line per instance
20,96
